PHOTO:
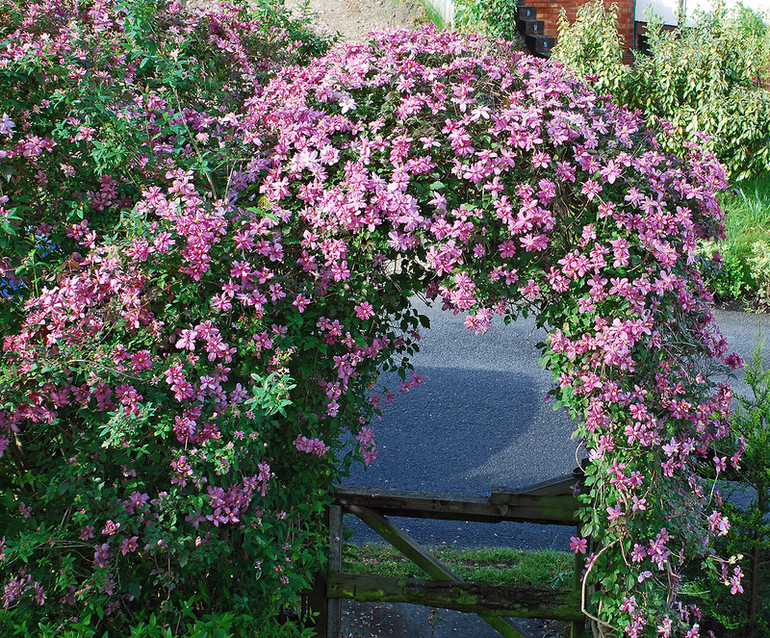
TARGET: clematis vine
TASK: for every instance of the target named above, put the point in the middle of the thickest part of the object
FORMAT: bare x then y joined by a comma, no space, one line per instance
203,336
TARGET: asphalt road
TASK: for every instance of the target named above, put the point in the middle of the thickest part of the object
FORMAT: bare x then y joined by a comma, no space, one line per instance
480,420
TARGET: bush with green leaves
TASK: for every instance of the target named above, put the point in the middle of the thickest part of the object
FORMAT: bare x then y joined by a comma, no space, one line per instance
702,79
748,504
593,47
493,18
727,276
103,103
209,258
735,267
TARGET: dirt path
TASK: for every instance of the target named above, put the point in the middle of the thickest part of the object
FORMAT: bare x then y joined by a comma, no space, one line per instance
353,19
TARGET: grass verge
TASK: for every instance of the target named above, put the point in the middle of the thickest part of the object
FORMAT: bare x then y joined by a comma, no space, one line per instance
748,213
744,275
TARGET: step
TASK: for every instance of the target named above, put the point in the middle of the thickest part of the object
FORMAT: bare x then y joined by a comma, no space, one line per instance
530,27
540,45
526,13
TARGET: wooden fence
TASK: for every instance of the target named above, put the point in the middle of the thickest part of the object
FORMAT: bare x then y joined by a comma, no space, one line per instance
551,502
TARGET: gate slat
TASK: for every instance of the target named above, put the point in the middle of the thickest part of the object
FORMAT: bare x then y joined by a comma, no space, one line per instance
500,506
473,598
429,563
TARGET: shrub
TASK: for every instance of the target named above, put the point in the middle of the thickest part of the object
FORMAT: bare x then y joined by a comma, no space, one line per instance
701,79
209,287
492,18
748,507
725,274
593,47
734,267
106,107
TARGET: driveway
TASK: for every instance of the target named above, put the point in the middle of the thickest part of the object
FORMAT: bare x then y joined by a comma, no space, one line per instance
480,420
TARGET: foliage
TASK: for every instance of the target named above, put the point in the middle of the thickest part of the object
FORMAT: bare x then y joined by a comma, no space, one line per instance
493,18
107,106
593,47
735,267
211,271
701,79
726,275
748,503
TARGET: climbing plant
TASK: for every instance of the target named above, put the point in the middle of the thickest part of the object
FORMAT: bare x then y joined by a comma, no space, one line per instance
204,281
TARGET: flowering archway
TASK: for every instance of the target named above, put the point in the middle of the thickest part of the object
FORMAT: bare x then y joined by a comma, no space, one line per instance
197,364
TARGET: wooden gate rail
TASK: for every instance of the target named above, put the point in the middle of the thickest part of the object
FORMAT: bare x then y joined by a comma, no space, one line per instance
502,505
551,502
493,600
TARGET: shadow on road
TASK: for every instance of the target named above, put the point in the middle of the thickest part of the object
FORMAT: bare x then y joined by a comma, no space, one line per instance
463,432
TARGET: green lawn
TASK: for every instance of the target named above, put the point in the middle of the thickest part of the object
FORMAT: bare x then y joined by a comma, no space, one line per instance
493,566
745,274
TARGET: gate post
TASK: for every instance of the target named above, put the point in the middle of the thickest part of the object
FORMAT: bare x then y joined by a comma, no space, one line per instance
326,611
334,605
578,629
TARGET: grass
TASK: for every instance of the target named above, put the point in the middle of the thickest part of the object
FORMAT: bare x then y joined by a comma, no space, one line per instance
747,225
748,213
430,15
493,566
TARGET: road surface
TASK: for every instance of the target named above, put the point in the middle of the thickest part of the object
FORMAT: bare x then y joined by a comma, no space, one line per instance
480,420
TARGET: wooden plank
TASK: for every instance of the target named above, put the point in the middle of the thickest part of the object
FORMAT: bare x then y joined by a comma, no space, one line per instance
553,510
505,626
408,547
559,486
427,562
501,506
578,628
489,600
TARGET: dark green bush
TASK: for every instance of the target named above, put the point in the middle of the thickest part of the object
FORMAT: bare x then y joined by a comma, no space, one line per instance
748,507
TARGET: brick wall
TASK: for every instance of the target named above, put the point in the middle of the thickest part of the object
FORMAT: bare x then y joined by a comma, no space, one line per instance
548,11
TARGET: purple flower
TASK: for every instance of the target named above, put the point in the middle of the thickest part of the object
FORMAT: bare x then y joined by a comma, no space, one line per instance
6,125
364,310
614,513
129,545
102,555
578,545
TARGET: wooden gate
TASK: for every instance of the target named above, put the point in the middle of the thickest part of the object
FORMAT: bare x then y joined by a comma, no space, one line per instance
552,502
